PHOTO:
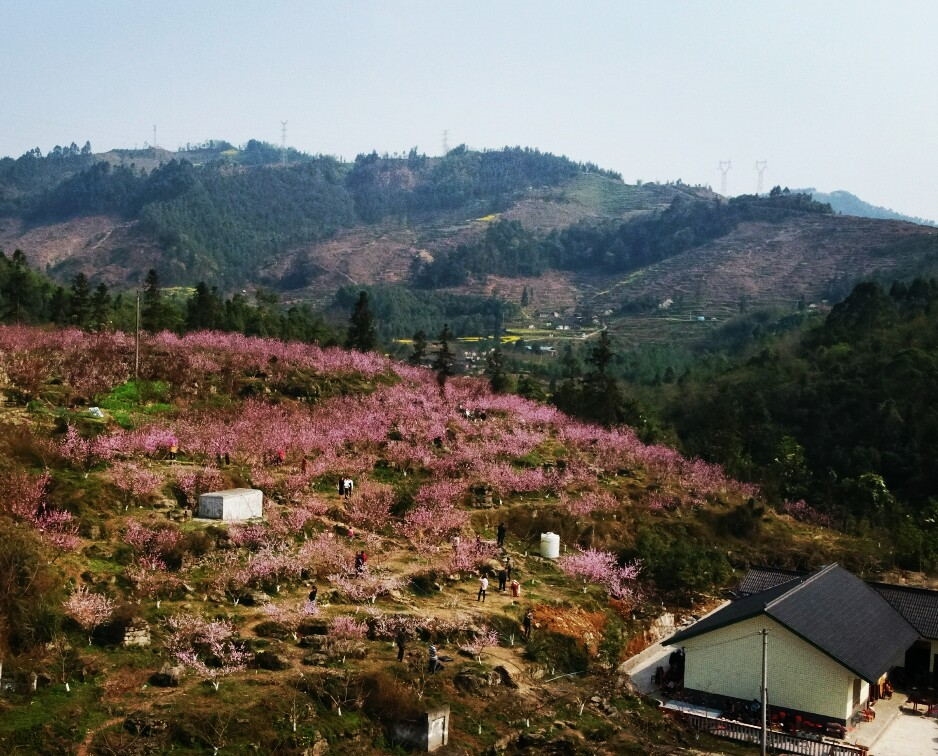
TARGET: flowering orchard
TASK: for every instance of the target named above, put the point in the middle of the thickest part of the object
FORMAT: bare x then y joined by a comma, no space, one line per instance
433,471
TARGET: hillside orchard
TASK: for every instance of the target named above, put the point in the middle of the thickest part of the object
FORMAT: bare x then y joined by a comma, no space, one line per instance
101,504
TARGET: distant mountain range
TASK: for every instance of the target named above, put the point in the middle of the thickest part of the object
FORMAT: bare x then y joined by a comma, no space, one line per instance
845,203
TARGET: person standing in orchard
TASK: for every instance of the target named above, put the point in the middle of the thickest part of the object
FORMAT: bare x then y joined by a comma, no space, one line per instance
483,587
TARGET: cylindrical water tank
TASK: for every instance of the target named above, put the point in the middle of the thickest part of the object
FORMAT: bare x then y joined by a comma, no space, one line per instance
550,545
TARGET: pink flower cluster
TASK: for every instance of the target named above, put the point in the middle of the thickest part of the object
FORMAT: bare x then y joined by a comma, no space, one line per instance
151,542
23,498
804,512
477,642
209,648
88,609
347,627
602,568
366,586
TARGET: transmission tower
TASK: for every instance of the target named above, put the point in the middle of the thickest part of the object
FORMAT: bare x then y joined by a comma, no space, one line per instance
154,136
445,142
760,172
725,166
283,143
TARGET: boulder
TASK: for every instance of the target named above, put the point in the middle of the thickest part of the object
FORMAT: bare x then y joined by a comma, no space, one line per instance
168,676
270,661
145,725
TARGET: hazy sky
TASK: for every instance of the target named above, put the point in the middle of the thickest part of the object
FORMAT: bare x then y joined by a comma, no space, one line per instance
834,94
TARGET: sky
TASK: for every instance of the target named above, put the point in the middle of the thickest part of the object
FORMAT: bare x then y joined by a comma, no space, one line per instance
830,94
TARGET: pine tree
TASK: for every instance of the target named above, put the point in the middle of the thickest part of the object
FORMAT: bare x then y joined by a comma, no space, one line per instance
153,311
362,334
419,352
495,370
445,362
567,395
602,399
79,304
100,307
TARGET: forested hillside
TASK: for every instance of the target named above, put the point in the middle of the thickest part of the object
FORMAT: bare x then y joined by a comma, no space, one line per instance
226,216
842,417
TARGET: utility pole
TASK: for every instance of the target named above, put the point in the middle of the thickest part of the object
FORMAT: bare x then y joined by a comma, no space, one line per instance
137,342
765,693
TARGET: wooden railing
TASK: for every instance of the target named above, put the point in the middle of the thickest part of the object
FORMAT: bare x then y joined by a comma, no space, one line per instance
777,741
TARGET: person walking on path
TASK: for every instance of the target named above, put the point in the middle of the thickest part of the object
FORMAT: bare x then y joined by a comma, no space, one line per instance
500,534
401,641
508,567
347,485
526,624
483,587
433,661
502,579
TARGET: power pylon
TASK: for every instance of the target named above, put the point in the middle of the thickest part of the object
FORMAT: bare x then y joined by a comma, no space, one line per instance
725,166
283,143
760,172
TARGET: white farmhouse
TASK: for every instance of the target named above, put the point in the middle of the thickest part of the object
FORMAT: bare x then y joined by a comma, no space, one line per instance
831,640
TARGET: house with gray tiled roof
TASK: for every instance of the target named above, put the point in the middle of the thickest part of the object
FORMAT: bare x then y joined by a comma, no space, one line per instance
831,638
919,606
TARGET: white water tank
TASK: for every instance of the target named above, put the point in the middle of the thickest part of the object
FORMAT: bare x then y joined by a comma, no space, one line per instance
550,545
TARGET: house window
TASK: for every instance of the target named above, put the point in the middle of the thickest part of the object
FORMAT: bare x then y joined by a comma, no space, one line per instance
857,687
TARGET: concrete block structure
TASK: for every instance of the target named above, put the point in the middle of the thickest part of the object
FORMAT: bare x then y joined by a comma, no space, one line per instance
234,504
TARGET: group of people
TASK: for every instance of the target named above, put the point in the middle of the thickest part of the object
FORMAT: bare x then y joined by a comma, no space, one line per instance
346,485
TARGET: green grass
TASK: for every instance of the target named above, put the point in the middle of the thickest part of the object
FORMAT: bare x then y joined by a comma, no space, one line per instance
50,718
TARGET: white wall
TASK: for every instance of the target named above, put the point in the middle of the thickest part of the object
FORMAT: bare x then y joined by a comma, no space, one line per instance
728,662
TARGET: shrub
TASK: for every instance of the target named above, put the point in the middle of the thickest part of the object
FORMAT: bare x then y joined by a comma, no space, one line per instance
561,653
387,700
30,591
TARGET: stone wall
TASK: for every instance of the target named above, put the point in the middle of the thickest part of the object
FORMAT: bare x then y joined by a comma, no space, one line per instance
137,634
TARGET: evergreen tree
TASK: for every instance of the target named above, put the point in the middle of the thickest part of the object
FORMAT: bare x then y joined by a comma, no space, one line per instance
100,307
362,334
445,362
419,352
204,310
567,395
602,399
495,371
153,314
79,303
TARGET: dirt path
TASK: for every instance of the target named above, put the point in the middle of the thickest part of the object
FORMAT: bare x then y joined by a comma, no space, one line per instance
89,736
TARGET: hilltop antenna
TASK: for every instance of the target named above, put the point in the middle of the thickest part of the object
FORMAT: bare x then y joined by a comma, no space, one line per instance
154,136
445,142
725,166
283,143
760,172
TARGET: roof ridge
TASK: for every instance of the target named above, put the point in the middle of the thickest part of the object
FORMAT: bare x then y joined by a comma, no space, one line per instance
801,583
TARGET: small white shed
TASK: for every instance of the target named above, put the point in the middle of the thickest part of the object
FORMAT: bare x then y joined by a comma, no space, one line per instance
233,504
